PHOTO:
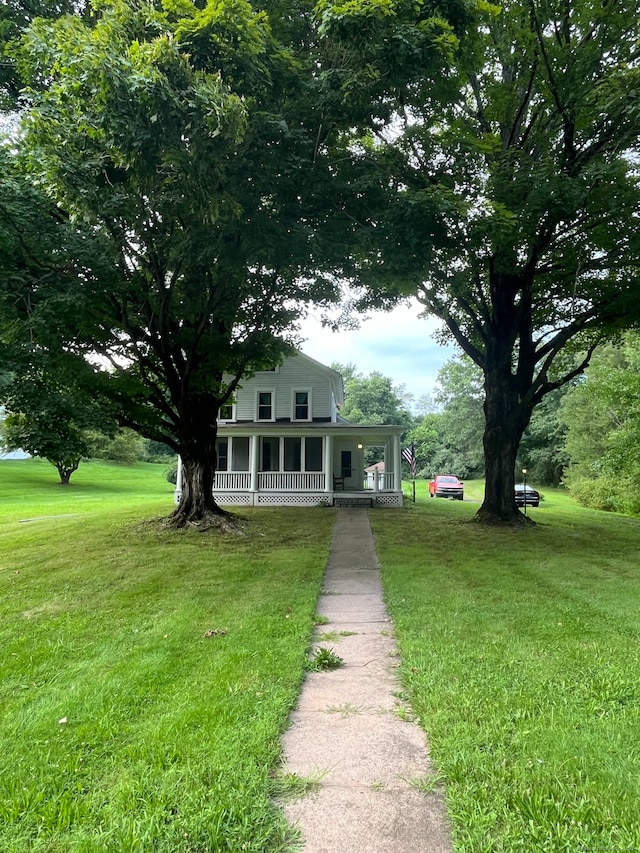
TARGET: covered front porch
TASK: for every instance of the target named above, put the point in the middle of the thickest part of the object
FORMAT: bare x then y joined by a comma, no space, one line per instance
305,465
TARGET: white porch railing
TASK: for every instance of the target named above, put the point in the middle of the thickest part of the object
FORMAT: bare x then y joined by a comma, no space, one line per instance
380,481
232,481
275,481
293,481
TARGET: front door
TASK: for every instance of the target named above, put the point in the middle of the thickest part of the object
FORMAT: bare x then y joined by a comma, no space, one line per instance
345,464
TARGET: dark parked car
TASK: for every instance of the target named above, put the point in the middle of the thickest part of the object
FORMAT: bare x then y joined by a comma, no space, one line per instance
526,495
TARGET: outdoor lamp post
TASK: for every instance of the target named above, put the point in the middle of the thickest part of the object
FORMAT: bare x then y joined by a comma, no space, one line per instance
524,495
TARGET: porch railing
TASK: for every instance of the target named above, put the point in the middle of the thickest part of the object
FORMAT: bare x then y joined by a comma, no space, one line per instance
294,481
233,481
276,481
385,481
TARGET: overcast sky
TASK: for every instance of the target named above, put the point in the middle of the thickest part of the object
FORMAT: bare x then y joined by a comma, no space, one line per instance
399,344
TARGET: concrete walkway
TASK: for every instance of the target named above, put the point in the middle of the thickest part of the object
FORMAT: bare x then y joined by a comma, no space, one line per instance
352,731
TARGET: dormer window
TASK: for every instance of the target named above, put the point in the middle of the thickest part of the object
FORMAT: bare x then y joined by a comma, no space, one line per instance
265,406
301,405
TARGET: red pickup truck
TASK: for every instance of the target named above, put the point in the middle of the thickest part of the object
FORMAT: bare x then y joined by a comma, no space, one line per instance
446,486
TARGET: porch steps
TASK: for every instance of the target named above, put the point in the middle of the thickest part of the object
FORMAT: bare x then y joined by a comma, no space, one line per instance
352,500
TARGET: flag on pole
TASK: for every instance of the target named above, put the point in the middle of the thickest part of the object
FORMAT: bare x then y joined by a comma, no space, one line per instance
409,456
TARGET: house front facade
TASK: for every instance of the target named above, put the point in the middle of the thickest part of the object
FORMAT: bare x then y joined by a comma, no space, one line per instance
283,443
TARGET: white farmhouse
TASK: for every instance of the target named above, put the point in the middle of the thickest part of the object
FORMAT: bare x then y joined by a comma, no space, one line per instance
283,443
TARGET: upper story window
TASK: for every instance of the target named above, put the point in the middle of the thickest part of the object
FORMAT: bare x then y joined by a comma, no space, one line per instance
301,405
265,406
227,412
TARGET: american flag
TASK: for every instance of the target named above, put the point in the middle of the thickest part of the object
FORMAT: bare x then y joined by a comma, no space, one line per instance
409,456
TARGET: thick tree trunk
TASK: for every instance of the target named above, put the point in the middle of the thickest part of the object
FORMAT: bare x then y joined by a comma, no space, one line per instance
506,418
197,506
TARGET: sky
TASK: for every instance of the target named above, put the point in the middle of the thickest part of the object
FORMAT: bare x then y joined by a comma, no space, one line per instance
398,344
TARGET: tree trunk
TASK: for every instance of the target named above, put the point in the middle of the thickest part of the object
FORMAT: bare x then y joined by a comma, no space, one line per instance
197,506
65,470
506,418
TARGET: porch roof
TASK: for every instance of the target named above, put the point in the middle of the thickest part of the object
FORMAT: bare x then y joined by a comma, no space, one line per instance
367,434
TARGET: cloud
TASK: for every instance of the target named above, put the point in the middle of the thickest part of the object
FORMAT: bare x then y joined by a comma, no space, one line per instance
398,344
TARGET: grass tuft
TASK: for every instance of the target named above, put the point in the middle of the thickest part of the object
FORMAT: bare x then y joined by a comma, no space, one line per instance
347,709
291,786
324,659
427,784
334,636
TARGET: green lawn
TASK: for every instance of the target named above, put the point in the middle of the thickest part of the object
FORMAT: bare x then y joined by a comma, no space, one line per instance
521,659
31,487
147,675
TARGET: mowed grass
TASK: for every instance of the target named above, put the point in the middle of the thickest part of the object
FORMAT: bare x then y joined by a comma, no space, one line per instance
146,675
521,658
31,488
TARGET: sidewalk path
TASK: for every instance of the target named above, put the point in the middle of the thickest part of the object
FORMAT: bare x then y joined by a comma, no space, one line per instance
350,728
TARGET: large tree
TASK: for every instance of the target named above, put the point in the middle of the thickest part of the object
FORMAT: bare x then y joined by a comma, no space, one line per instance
184,143
505,195
48,413
373,398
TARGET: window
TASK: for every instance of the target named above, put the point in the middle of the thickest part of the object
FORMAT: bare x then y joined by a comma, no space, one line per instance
293,454
270,454
265,406
301,406
226,412
298,454
313,454
222,448
240,453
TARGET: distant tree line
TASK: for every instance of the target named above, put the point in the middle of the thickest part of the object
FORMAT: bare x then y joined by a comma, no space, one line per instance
602,417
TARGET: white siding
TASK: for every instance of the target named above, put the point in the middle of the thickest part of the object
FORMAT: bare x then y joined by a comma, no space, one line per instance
295,373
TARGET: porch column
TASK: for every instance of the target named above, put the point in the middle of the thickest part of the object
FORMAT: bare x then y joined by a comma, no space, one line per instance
388,465
254,457
327,463
397,464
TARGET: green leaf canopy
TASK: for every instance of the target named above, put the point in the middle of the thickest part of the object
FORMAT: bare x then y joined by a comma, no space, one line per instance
506,196
183,143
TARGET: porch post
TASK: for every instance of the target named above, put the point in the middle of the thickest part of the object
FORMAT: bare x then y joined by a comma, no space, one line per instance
179,475
327,463
254,456
388,465
397,464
